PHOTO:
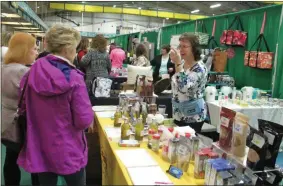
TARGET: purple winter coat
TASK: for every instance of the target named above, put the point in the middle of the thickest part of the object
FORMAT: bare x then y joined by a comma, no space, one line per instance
58,112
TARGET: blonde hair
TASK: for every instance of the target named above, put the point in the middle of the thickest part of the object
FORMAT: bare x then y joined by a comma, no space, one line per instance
19,47
60,36
5,38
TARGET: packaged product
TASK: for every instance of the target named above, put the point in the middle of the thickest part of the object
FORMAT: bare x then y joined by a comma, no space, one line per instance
240,130
194,147
226,127
172,148
200,158
219,165
223,178
183,153
269,178
274,133
258,144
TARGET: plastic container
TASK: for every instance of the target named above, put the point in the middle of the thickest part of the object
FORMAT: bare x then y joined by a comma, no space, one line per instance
150,137
155,142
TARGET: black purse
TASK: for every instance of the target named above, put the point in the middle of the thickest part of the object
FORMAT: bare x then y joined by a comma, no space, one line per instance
14,137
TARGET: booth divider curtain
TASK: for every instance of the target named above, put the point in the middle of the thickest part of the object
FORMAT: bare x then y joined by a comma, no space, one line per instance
251,20
278,83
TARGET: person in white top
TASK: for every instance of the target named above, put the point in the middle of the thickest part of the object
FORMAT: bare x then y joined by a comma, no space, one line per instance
163,64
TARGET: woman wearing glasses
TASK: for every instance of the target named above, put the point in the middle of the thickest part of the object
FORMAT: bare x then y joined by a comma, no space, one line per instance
188,83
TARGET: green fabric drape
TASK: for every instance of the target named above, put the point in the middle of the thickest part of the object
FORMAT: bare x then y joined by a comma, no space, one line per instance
278,83
151,37
251,20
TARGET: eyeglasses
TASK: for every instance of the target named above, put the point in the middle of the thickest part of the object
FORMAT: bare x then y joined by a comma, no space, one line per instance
183,46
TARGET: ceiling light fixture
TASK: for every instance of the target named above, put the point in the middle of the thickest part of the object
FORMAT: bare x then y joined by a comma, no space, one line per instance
15,23
215,6
83,1
38,7
9,15
194,11
114,6
213,14
167,18
26,28
140,8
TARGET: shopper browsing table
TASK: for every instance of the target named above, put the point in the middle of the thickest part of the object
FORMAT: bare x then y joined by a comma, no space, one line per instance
58,111
188,83
22,51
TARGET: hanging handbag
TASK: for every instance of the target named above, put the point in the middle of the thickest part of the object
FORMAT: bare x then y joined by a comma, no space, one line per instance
219,56
234,37
259,58
14,136
202,36
101,87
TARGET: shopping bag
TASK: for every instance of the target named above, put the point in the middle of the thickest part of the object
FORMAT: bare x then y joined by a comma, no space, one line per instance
219,60
236,37
14,136
101,87
202,36
259,59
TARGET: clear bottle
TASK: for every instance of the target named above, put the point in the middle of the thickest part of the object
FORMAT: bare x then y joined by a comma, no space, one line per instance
144,113
150,136
155,142
118,117
172,155
125,130
154,125
139,130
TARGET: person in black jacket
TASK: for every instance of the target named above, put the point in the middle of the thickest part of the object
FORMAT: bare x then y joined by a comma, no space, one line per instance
163,64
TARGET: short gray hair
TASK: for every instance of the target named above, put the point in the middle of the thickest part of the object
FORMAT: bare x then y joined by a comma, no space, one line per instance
60,36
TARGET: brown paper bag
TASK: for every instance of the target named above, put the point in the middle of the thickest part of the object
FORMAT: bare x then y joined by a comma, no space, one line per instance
219,60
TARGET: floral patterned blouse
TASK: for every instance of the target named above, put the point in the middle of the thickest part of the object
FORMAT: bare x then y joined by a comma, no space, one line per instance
190,85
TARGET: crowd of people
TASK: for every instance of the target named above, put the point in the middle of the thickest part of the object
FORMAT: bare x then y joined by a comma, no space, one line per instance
55,85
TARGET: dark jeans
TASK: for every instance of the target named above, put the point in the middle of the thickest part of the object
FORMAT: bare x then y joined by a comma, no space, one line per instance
196,126
50,179
12,173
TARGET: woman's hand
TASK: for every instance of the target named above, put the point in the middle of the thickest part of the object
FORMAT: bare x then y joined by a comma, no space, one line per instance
175,56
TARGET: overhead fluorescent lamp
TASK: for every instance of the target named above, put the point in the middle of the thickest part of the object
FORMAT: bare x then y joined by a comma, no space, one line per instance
114,6
26,28
9,15
194,11
140,8
15,23
167,18
215,6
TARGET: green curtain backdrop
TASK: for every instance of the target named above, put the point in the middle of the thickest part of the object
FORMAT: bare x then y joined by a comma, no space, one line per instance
278,83
151,37
251,20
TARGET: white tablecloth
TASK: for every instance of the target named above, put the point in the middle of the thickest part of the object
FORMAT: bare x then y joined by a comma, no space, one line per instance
273,114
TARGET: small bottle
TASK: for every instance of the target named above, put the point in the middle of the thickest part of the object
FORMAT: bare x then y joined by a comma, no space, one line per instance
144,113
118,117
234,92
220,98
139,130
154,125
155,142
172,155
150,136
125,130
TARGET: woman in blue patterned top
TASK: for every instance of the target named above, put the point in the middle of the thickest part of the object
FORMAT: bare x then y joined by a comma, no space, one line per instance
188,83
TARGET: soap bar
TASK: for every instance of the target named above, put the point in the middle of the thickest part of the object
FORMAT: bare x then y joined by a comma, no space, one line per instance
174,171
129,143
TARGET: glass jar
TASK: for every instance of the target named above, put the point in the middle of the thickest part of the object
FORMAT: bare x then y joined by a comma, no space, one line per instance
150,136
155,142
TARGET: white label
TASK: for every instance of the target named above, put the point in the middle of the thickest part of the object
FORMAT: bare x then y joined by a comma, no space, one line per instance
182,149
129,132
224,121
258,140
238,128
270,137
142,133
149,46
270,178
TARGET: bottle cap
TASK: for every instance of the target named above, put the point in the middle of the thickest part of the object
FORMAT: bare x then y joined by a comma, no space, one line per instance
171,129
188,135
160,131
150,131
156,136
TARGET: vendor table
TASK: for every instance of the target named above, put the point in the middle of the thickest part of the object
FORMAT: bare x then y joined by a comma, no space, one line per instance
115,173
273,114
162,99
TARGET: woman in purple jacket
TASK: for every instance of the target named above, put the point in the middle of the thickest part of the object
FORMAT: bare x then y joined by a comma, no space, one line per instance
58,111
